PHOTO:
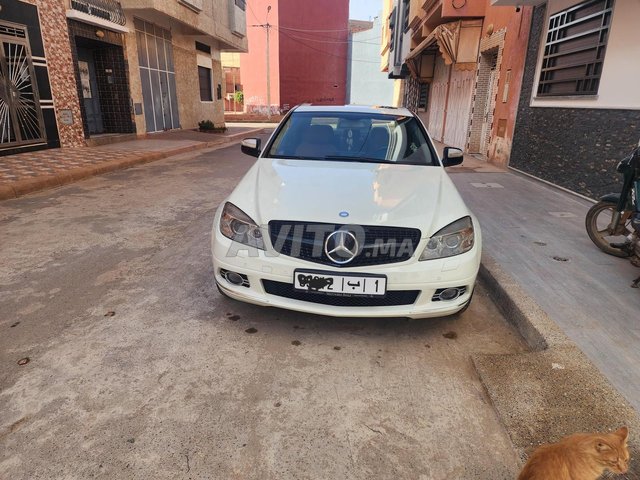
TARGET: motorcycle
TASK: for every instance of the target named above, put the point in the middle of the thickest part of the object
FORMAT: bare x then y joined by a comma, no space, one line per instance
613,224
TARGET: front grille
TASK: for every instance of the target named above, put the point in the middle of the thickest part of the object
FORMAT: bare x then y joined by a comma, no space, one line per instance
392,297
380,245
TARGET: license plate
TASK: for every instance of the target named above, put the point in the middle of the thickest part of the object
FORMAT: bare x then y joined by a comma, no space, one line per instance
321,282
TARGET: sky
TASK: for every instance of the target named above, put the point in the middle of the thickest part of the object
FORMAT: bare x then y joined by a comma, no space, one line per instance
364,9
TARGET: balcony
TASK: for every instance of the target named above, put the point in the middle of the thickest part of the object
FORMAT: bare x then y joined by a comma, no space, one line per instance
106,10
237,17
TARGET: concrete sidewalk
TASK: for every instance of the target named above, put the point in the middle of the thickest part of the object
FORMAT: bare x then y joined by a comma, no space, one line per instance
536,233
33,171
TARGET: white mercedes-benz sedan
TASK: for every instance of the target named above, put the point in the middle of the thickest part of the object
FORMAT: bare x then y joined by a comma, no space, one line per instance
348,211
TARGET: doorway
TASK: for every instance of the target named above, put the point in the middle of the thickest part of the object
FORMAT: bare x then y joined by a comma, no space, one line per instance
485,101
21,121
90,93
489,105
157,75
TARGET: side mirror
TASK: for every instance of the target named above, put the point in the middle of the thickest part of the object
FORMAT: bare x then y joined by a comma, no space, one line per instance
251,146
452,156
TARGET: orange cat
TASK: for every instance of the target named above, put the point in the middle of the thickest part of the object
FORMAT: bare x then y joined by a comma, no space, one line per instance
583,456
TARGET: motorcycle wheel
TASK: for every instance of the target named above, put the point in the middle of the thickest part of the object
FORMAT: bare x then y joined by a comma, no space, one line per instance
597,224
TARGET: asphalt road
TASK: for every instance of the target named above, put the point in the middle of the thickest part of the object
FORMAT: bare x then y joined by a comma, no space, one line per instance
138,368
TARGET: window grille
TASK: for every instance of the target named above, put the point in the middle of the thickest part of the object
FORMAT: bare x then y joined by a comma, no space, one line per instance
575,48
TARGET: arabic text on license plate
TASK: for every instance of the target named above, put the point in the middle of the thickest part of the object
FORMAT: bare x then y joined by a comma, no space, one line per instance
345,284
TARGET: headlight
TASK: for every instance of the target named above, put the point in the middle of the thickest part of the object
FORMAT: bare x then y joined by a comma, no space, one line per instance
454,239
238,226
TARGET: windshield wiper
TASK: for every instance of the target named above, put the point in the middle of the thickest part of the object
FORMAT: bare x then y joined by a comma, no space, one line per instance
357,159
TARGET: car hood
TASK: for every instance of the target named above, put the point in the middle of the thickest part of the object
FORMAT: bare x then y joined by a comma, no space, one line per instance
372,194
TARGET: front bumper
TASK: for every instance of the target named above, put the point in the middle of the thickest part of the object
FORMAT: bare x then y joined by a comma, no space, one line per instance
426,277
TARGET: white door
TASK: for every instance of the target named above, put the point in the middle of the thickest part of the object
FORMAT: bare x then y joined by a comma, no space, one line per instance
459,107
438,98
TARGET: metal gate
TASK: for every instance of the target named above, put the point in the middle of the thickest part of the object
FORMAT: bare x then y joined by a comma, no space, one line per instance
438,99
459,107
21,120
155,56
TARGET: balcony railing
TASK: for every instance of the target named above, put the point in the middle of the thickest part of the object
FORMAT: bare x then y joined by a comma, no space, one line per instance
109,10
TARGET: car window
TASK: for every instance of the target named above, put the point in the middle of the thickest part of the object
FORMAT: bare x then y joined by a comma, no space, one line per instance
351,136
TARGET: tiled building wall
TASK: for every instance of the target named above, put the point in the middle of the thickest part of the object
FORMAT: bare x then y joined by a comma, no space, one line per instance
577,148
55,34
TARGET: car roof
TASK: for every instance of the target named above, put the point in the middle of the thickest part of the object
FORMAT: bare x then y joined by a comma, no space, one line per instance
384,110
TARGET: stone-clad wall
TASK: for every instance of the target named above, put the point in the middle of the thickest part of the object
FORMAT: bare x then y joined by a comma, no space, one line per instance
53,22
577,148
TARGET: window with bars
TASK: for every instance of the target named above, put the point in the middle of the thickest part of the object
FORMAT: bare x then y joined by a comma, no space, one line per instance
574,50
204,77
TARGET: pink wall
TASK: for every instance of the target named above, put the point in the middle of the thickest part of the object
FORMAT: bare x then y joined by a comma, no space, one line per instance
253,65
313,64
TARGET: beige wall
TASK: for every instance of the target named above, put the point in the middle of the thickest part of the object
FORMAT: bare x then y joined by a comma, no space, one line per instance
191,108
186,60
213,21
621,69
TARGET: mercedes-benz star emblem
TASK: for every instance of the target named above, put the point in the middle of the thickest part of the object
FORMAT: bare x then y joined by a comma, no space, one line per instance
341,247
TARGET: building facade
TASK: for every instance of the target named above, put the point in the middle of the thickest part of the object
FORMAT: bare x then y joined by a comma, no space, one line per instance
307,54
74,71
579,110
366,84
460,66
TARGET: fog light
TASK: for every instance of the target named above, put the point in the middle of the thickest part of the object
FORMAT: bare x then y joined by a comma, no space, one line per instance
235,278
449,294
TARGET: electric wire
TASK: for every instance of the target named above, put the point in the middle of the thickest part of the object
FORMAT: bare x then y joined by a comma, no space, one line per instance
311,47
337,41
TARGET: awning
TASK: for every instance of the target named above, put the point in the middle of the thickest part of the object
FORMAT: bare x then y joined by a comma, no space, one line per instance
446,36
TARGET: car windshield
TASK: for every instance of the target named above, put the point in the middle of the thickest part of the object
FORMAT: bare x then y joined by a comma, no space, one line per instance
352,137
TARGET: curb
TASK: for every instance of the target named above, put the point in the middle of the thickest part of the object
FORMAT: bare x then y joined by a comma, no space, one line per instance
24,187
553,389
535,326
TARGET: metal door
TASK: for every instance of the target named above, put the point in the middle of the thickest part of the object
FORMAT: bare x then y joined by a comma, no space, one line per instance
155,57
459,107
438,98
90,95
21,120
